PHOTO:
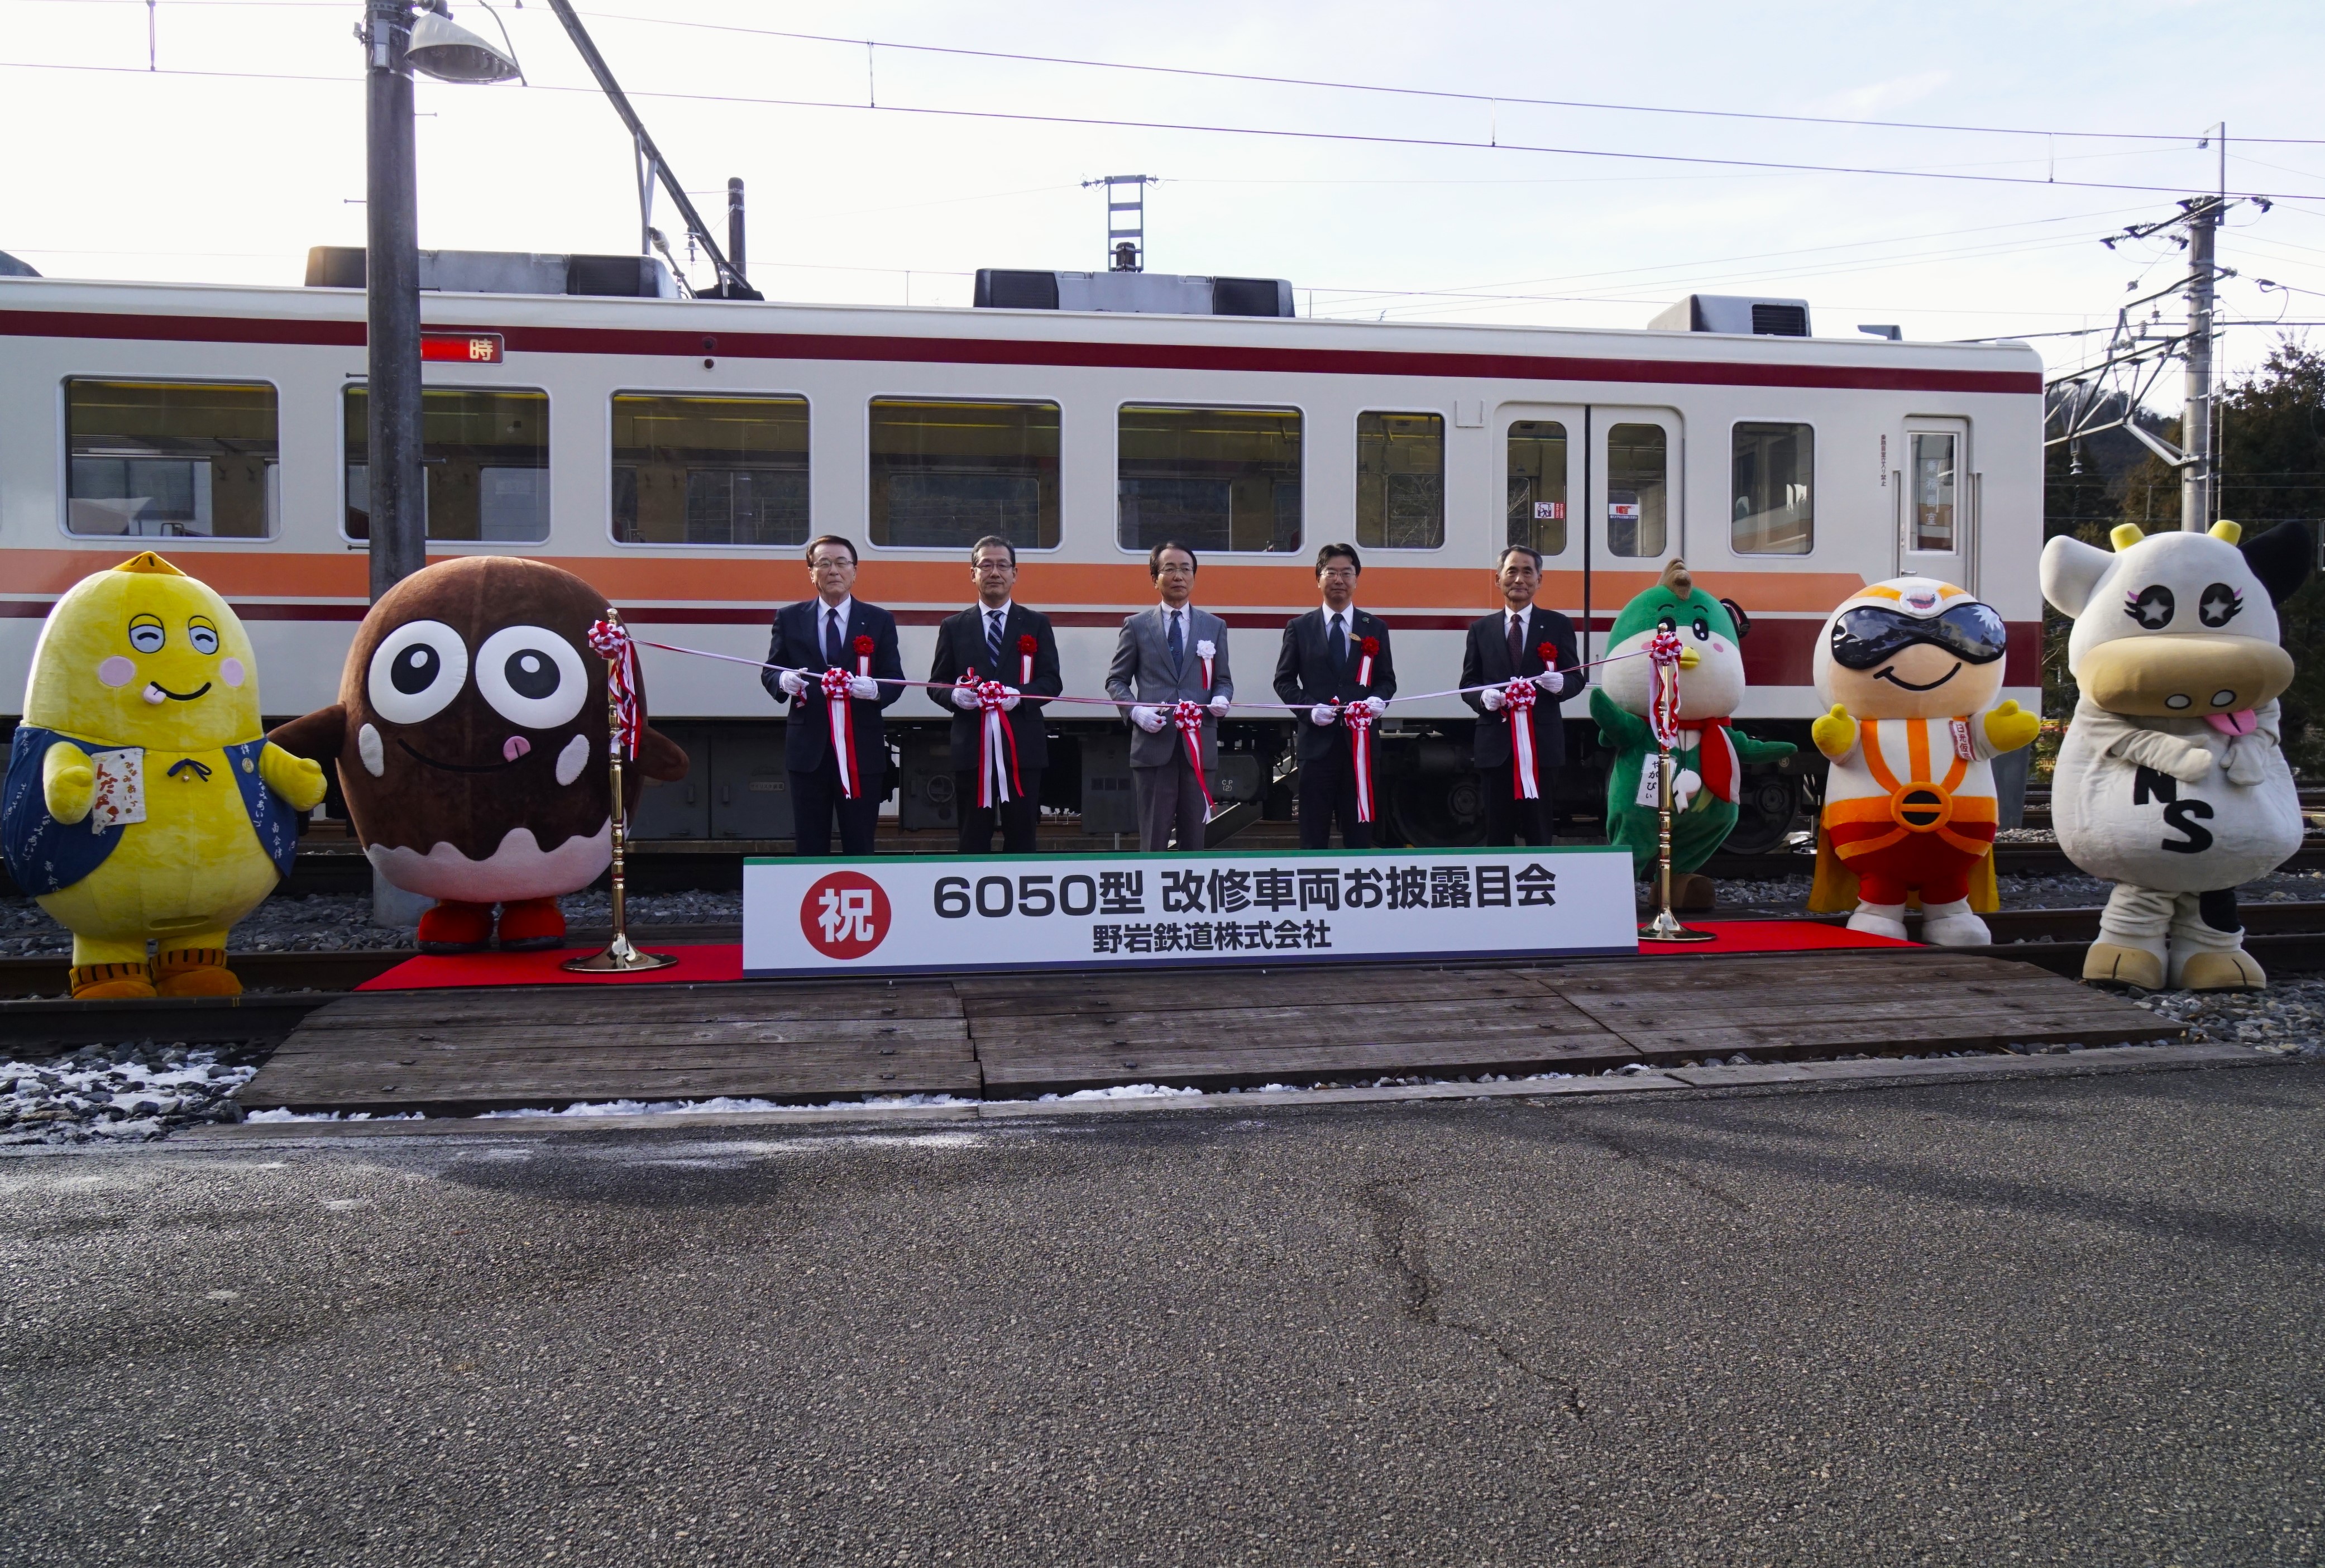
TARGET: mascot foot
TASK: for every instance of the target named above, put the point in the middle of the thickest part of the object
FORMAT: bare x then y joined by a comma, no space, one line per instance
455,928
111,982
1953,925
532,924
1693,893
1880,919
2233,970
195,971
2111,965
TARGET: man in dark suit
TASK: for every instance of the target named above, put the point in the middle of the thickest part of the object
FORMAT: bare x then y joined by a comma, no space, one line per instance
825,632
1505,646
1324,665
989,641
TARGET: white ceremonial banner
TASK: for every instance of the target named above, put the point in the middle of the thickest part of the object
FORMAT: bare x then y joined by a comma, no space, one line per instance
947,913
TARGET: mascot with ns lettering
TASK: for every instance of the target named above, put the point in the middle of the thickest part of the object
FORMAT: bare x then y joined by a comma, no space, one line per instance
143,800
470,741
2171,782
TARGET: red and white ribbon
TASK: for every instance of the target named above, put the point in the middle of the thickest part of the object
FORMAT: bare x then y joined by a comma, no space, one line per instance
836,706
1026,648
1663,650
1367,648
1526,762
1358,717
996,780
1204,651
610,640
864,655
1189,717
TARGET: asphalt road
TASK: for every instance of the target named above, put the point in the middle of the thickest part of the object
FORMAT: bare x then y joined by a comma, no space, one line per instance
2057,1320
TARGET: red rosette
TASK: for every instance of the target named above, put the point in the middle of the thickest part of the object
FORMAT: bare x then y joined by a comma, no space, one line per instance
863,647
1546,652
1027,644
1370,645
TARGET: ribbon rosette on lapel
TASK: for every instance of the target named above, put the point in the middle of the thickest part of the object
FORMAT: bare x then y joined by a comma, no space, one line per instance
1205,650
864,655
1027,646
1369,647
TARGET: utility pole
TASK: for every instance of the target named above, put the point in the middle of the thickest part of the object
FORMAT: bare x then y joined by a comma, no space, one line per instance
2195,422
397,503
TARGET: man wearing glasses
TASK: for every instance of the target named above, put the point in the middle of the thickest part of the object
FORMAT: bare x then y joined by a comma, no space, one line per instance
1519,642
834,630
1172,654
1334,658
997,640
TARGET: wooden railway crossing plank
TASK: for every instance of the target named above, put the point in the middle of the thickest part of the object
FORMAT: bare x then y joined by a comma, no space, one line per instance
465,1051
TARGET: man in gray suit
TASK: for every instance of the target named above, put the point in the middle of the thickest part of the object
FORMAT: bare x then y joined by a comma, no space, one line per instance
1173,653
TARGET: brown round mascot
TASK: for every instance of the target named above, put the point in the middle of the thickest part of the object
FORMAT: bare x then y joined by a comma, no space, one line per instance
470,741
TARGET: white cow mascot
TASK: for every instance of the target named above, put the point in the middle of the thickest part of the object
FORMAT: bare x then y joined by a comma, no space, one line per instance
2171,782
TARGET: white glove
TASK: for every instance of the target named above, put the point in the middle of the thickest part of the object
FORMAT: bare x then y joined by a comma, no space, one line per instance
1547,681
863,688
1009,698
1379,705
1492,698
1219,706
1323,714
2192,766
1149,719
793,684
964,696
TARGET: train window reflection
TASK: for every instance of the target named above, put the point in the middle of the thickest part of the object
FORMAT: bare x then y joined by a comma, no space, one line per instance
172,459
1775,471
1220,478
1401,480
709,470
1931,494
944,475
1638,461
485,456
1537,485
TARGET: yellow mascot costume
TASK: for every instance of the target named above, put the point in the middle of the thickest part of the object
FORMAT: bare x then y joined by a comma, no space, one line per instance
143,800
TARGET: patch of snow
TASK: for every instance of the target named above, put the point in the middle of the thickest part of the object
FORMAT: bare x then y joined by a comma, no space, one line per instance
1120,1092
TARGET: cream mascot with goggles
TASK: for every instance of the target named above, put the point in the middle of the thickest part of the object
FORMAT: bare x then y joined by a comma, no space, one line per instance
1910,668
2171,782
143,800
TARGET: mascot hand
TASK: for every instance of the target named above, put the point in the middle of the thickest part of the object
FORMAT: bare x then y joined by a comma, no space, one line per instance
67,783
2010,726
1685,783
2192,768
297,780
1834,733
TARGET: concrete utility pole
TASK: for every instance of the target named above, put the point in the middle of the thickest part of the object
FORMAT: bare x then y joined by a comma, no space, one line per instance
2196,423
397,501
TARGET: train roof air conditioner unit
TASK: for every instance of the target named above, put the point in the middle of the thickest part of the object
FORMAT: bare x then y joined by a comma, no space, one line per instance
1735,313
506,272
1145,293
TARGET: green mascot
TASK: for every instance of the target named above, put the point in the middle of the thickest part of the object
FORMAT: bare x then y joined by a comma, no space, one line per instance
1707,764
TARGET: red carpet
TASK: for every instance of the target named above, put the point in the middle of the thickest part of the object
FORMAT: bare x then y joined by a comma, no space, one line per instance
701,963
1733,936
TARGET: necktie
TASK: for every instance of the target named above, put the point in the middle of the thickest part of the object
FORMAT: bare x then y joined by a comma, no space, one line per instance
1517,645
1178,641
993,639
1339,645
835,652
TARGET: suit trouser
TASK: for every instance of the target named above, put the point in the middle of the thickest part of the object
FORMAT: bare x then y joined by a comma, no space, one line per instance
1509,817
1168,797
816,800
1328,788
1020,816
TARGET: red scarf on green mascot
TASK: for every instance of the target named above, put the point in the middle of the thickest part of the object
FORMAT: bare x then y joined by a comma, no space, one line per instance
1717,763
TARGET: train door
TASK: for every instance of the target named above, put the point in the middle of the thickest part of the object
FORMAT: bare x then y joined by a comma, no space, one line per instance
1633,502
1936,502
1542,474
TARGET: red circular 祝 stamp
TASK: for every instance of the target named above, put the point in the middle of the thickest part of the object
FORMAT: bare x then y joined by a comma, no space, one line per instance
844,915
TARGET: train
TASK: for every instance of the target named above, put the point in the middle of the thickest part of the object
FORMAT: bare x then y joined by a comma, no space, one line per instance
679,452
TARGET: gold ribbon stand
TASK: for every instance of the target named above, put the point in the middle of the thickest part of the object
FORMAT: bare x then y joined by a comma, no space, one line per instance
1665,926
620,957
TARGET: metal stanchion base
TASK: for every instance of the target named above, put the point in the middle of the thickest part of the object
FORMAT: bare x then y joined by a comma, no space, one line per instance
1665,927
619,957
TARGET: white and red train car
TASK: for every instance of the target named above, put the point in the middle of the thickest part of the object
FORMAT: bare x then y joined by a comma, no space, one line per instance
678,452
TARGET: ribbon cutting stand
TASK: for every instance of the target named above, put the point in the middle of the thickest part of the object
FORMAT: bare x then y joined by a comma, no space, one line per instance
612,640
1663,718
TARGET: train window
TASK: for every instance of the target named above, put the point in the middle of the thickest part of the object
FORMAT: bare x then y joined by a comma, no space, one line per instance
709,470
1220,478
170,458
1774,469
1537,485
1932,493
944,475
485,456
1638,469
1401,480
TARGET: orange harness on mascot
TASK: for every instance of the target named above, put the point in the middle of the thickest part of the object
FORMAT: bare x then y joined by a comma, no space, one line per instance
1918,837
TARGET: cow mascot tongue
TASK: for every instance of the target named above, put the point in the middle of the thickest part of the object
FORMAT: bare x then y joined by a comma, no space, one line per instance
2171,782
1909,670
1707,764
470,741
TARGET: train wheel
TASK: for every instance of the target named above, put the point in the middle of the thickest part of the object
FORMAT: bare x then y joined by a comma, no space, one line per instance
1764,813
1439,811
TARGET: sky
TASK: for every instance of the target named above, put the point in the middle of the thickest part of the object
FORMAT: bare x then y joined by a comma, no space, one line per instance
885,165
